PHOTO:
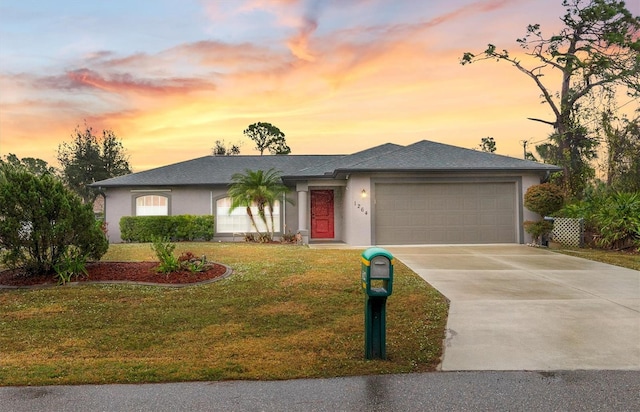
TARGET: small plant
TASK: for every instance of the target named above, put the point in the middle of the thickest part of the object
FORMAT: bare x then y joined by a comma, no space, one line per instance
71,264
257,237
538,229
265,238
288,237
186,256
190,262
163,249
196,265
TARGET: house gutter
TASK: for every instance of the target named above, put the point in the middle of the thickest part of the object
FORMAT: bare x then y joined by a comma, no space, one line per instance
544,171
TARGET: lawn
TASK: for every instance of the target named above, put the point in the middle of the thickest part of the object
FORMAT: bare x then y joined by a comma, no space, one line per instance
286,312
627,259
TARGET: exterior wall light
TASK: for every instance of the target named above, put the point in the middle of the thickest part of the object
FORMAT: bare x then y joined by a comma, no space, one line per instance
363,194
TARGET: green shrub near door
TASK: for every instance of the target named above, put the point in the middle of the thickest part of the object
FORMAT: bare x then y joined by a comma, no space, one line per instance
177,228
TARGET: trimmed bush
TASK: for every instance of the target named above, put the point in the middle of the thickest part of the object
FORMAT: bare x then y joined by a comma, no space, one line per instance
176,228
544,199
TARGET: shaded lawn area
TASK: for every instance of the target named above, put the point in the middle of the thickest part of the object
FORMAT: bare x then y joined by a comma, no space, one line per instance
286,312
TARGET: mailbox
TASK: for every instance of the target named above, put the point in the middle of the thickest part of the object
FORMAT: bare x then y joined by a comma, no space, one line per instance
377,284
377,272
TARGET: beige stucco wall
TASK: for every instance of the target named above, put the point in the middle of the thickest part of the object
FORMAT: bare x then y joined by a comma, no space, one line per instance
290,221
117,204
353,217
357,211
182,201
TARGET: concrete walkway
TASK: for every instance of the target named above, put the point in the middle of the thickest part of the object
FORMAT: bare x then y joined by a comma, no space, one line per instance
515,307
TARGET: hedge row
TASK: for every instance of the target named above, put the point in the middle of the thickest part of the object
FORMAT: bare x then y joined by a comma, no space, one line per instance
176,228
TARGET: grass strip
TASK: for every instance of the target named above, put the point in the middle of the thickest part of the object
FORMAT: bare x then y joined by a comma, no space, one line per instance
625,259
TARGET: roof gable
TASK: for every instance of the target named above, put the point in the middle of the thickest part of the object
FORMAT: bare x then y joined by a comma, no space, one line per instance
432,156
348,160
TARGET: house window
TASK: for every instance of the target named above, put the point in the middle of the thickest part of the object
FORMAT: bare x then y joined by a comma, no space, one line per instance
239,222
152,205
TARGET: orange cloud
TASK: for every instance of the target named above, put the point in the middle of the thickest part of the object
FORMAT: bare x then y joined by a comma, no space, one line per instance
299,43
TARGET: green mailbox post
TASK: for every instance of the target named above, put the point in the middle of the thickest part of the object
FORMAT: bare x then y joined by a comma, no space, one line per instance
377,283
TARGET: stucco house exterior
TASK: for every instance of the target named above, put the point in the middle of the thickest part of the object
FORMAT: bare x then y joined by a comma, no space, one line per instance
423,193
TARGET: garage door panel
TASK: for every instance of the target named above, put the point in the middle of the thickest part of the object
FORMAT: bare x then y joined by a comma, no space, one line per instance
487,220
445,213
504,203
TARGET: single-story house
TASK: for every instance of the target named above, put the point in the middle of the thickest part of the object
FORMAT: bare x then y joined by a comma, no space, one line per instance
423,193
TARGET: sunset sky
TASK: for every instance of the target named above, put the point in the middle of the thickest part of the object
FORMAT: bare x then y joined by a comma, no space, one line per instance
170,77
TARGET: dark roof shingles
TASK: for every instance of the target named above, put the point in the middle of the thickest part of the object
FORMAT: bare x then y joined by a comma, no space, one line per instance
421,156
427,155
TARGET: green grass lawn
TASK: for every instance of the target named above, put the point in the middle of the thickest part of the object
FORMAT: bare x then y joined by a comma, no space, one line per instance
286,312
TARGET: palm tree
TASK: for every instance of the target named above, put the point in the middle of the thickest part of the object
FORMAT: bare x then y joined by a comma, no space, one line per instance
257,188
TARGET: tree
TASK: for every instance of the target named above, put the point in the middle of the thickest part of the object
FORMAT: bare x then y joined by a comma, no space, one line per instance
488,144
622,139
221,149
88,159
279,146
576,157
597,51
30,164
41,220
267,137
257,189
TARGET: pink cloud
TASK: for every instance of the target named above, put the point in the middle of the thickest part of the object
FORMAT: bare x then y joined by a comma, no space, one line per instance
124,83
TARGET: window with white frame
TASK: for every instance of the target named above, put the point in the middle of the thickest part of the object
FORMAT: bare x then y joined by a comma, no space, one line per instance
238,220
152,205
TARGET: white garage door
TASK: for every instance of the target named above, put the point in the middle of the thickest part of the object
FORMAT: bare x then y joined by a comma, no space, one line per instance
441,213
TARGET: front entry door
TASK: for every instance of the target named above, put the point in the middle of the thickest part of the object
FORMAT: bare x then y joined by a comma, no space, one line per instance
322,214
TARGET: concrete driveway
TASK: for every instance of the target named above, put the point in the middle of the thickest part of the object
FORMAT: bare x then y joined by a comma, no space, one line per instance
515,307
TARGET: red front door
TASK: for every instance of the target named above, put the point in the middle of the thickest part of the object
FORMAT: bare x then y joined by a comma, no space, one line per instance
322,214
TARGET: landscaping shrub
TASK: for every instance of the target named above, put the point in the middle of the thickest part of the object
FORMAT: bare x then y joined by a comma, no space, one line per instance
538,229
544,199
176,228
72,264
41,220
613,219
618,222
164,251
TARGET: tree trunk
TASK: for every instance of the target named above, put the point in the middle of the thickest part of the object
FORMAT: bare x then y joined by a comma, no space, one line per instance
253,221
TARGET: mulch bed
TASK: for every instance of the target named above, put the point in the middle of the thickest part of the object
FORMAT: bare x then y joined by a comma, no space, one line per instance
117,271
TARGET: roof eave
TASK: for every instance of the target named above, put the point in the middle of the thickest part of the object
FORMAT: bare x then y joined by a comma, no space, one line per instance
449,170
